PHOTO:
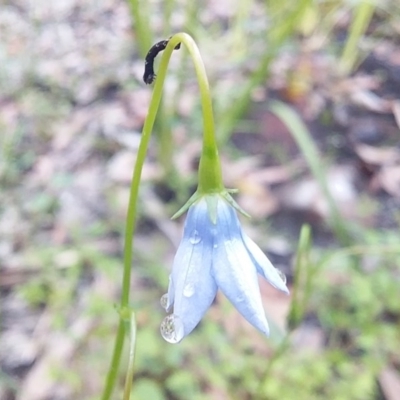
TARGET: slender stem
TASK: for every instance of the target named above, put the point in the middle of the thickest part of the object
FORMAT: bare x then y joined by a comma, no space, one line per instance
129,374
113,371
211,156
210,176
141,13
130,224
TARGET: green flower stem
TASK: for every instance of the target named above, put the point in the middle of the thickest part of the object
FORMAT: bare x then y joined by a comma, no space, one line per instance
210,180
116,357
129,374
141,13
210,175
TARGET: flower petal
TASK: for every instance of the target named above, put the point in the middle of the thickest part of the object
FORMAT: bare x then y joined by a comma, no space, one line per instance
234,271
264,266
192,288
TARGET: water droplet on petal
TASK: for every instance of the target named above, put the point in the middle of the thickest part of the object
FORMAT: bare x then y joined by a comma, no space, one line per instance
215,246
282,275
195,238
172,329
188,290
164,301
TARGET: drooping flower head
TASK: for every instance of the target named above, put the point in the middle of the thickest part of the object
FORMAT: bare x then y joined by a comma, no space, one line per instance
215,254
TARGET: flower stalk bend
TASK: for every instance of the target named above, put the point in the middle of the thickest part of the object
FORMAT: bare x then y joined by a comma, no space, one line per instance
210,179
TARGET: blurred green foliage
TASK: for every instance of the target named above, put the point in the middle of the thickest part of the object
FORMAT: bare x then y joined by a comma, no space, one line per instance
359,317
354,307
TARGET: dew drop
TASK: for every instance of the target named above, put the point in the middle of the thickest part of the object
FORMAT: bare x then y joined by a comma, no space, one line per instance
188,290
172,329
164,301
215,246
282,275
195,238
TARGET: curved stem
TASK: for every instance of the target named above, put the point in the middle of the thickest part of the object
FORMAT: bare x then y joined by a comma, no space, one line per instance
210,176
210,179
130,228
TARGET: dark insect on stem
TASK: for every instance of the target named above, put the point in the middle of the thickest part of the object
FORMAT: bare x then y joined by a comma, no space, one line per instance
149,74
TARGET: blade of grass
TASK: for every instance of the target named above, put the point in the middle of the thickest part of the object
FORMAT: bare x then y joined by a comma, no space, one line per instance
168,8
289,15
362,17
141,25
310,152
301,278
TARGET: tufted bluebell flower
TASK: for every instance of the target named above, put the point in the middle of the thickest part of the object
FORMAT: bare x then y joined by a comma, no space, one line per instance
215,254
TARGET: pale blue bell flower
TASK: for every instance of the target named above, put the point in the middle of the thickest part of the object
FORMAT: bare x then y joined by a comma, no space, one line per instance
215,254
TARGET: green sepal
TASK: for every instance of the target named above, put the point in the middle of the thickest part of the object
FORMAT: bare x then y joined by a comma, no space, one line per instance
212,204
233,203
196,196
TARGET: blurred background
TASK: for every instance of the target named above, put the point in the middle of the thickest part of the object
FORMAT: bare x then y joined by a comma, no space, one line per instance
307,109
